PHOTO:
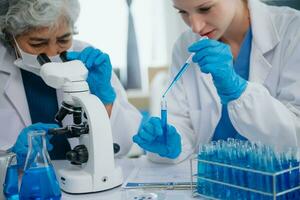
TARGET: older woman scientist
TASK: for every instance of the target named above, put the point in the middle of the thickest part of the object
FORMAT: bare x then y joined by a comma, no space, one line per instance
31,27
244,82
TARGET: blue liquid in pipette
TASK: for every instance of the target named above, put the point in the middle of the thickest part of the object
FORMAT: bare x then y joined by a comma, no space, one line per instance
182,70
40,184
178,75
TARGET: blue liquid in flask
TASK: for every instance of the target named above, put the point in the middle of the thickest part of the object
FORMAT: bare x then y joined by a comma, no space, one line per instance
11,183
40,184
39,181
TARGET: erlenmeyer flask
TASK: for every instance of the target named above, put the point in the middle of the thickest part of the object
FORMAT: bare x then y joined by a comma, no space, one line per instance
39,181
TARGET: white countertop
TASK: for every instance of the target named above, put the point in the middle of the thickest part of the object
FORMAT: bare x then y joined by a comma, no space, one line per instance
119,193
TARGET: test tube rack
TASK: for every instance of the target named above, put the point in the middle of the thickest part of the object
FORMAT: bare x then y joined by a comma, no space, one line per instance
210,186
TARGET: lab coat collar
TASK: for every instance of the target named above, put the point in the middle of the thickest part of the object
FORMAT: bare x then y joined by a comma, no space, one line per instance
4,62
13,88
265,34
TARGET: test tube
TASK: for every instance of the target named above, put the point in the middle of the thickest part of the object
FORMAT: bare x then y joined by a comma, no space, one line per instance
164,119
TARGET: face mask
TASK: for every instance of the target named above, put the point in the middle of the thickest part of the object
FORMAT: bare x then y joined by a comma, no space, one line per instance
29,62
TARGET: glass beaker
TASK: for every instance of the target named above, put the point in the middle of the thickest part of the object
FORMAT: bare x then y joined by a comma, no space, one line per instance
39,180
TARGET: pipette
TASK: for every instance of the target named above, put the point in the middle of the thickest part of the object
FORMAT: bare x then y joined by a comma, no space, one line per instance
182,70
163,111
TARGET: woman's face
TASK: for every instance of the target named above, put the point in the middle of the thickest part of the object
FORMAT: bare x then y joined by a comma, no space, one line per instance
45,40
209,18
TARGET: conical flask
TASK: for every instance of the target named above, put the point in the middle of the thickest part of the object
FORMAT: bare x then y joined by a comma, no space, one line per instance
39,181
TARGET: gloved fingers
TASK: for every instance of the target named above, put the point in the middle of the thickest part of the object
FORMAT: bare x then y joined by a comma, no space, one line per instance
156,125
146,136
85,54
35,126
209,60
73,55
200,55
202,44
207,68
152,147
92,58
21,145
150,132
137,139
101,59
209,51
216,69
171,131
20,149
221,63
173,153
174,146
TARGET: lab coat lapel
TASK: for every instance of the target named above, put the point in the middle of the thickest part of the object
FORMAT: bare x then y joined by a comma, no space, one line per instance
208,82
210,114
14,91
259,67
263,41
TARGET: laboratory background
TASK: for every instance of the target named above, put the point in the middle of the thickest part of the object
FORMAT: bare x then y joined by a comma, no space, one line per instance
139,36
154,27
142,36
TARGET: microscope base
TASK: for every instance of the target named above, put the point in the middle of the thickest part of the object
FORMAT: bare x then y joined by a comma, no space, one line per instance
77,181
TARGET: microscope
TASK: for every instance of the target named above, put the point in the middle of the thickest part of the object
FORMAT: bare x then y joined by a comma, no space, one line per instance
92,167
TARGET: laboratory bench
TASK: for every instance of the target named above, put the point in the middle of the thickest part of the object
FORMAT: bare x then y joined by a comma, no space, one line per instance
127,165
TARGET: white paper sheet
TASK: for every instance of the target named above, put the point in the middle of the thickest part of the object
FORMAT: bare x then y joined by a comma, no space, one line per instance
152,175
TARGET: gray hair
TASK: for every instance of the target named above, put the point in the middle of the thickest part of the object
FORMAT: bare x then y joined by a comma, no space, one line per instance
19,16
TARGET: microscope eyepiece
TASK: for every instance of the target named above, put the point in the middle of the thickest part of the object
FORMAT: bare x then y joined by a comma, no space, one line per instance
63,56
43,59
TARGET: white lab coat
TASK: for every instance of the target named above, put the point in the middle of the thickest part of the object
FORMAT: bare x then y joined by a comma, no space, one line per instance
14,112
268,110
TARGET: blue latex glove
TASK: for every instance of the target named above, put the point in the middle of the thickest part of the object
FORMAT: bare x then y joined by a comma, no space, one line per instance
150,137
100,71
215,57
21,145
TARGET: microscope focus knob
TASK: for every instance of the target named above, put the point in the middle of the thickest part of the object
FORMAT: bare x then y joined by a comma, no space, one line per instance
78,155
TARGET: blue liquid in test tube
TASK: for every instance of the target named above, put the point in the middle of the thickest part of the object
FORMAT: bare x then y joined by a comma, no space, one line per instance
164,118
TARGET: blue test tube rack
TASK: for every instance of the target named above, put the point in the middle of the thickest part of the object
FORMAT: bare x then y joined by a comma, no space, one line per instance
216,176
